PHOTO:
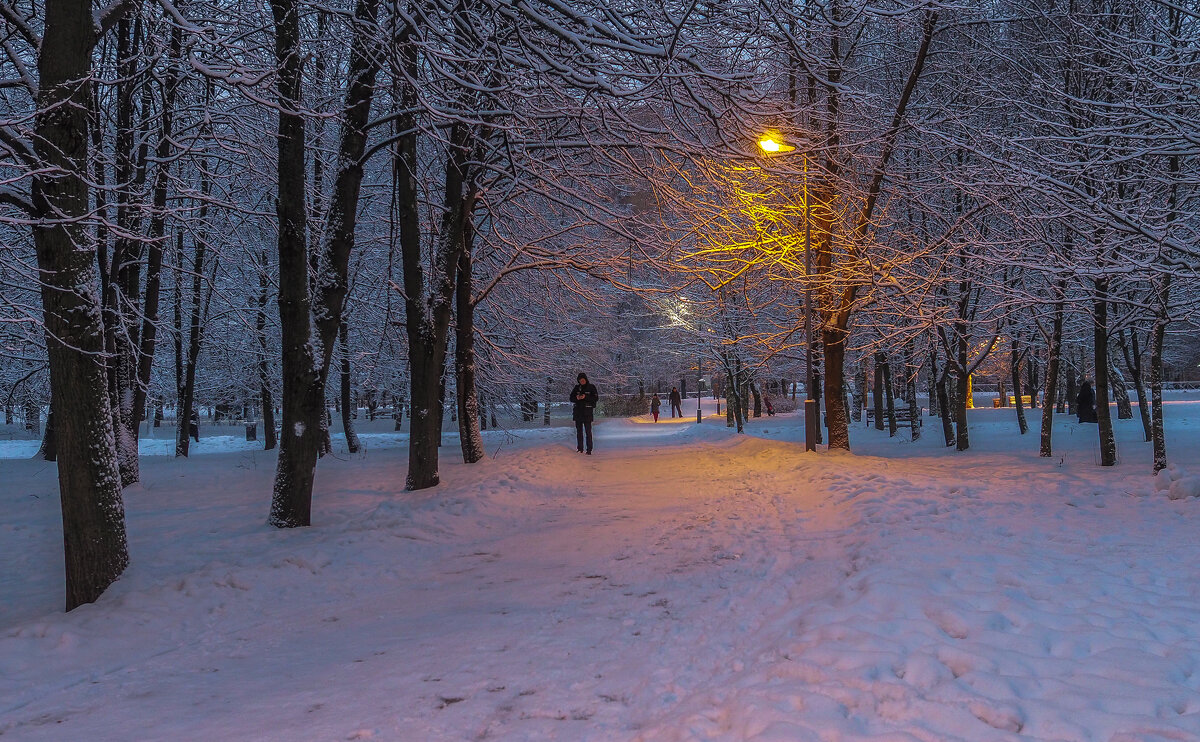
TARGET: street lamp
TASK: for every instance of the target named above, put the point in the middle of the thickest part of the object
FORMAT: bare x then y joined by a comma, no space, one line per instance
771,145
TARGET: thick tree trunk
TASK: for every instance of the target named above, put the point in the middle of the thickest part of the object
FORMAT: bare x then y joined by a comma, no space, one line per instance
93,516
1108,441
962,381
833,340
304,317
428,311
470,439
301,402
757,399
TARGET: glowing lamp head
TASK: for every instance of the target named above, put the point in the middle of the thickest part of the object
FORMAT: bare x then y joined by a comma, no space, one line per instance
771,145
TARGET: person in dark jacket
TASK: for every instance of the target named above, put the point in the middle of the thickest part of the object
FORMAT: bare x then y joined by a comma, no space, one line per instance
676,402
583,398
1085,403
655,406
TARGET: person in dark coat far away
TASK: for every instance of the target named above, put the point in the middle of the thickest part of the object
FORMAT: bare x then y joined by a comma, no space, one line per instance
584,397
1085,403
655,405
676,402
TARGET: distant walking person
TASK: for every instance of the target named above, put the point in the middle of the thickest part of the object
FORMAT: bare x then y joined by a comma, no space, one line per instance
194,425
655,405
584,397
1085,403
676,402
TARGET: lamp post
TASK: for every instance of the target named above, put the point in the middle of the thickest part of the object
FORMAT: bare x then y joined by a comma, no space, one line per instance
771,145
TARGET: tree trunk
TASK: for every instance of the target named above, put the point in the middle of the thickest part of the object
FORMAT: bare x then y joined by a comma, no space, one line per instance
195,331
1134,364
546,410
757,399
305,316
910,392
1015,362
1120,392
158,220
833,342
348,407
1108,442
1053,372
264,368
428,311
470,439
860,393
890,399
93,515
877,392
1157,334
48,451
835,404
962,381
291,501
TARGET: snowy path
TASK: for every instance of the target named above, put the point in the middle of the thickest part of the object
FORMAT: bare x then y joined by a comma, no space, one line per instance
679,585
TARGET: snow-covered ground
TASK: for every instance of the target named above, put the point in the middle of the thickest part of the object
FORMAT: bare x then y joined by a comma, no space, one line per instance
681,584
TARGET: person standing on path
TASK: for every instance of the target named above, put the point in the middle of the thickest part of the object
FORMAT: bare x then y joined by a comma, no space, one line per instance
1085,403
583,398
676,402
655,405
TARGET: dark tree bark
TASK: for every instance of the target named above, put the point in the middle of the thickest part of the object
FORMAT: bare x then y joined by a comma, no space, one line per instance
196,320
1120,392
1053,371
1162,317
470,439
1108,441
319,314
934,409
889,398
158,221
264,367
428,310
291,503
944,403
757,399
93,515
1015,362
348,406
1133,362
877,392
910,391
